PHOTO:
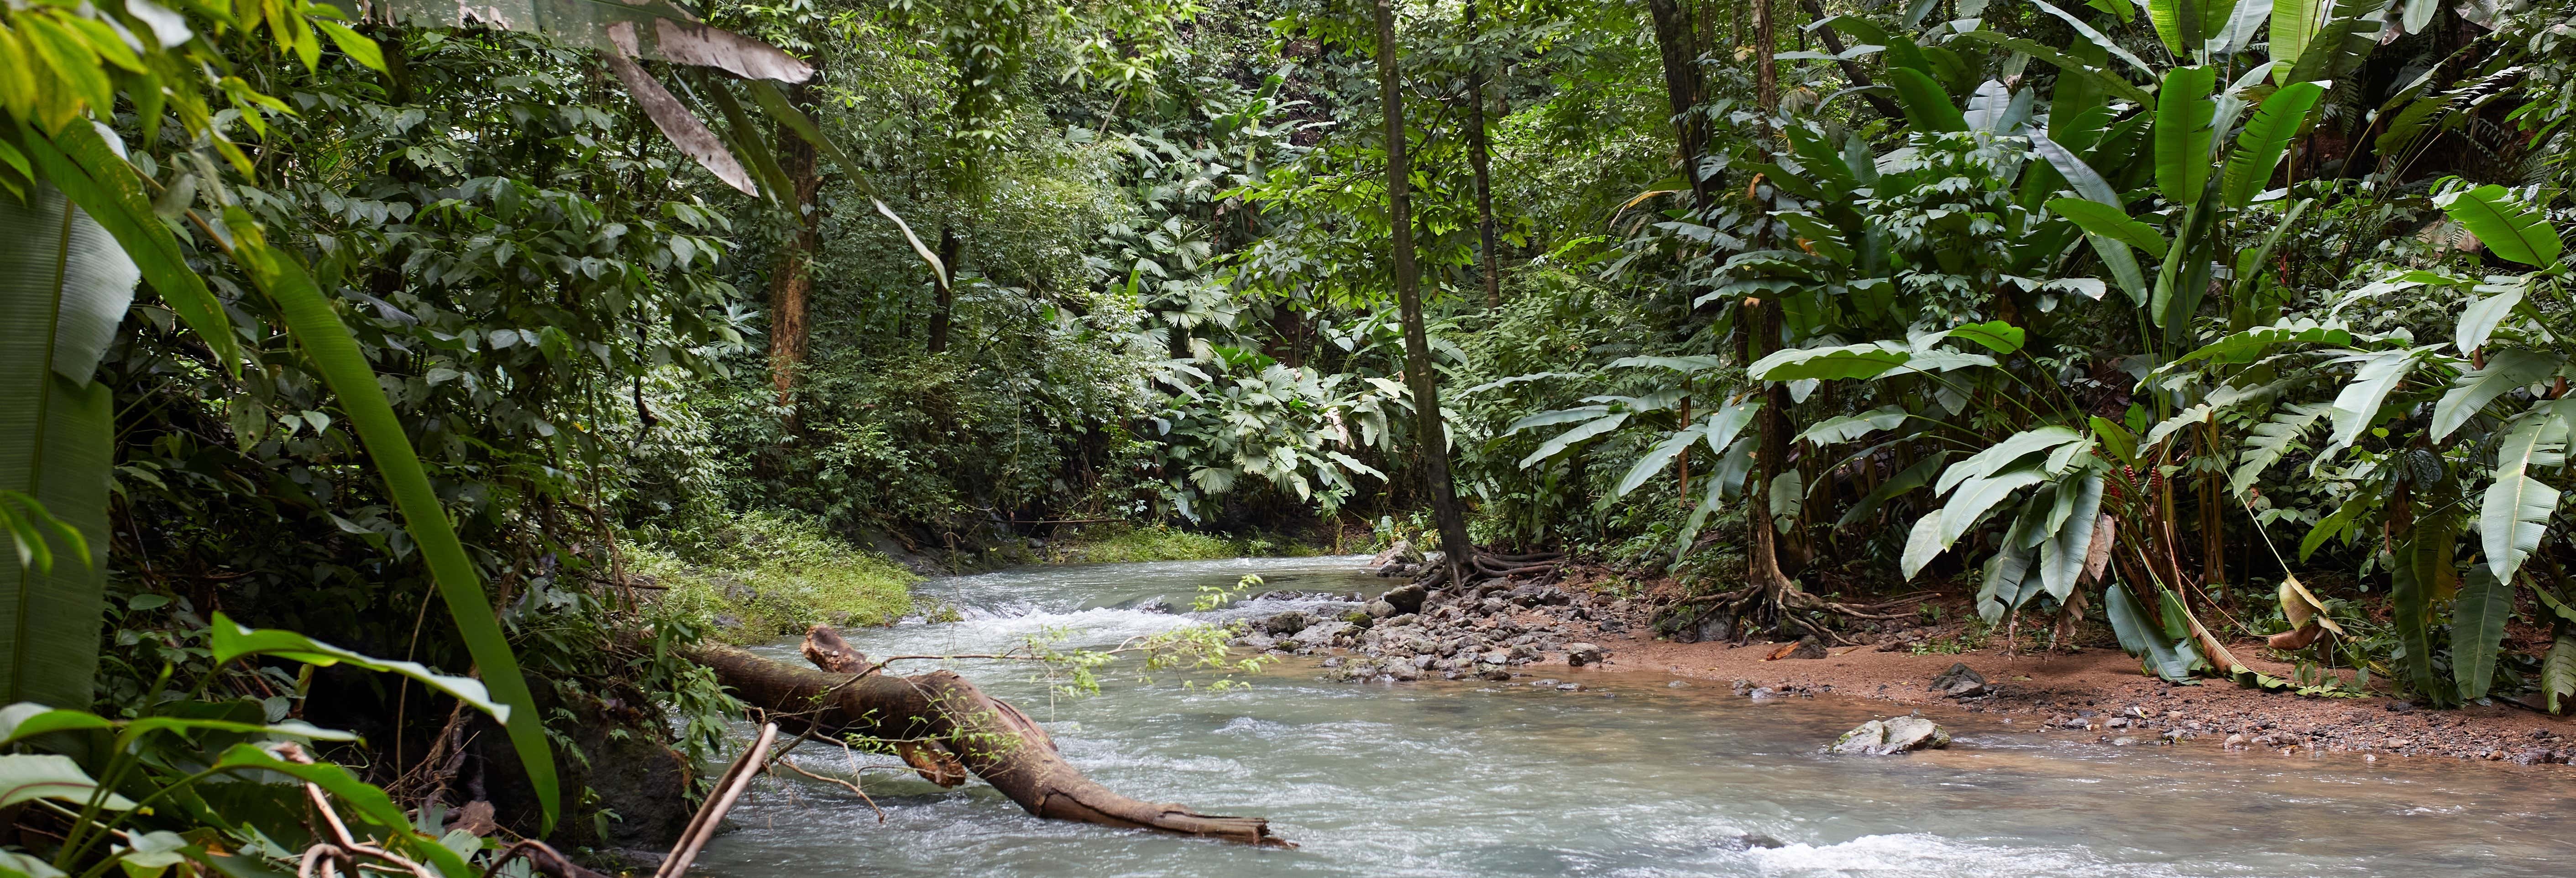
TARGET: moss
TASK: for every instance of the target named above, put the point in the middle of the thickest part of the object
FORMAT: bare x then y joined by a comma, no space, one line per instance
1120,542
765,575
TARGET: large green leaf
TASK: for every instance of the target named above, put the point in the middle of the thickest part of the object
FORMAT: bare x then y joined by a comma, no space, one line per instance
1656,458
1848,361
2337,46
2184,111
2509,228
2139,637
2270,441
2070,539
26,777
367,800
2506,369
2246,346
2518,505
2260,146
2110,222
64,286
334,353
2479,320
1927,106
1845,428
95,177
2013,448
1560,442
2477,627
2099,39
230,640
2558,671
2358,404
2293,23
1912,477
656,29
2412,579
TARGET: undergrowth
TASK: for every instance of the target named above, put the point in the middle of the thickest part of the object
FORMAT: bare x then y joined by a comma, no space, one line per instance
1116,542
766,574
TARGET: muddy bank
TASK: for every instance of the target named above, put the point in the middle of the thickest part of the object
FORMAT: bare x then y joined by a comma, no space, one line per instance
1507,631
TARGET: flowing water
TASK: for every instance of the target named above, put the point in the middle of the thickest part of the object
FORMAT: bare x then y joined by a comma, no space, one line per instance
1632,778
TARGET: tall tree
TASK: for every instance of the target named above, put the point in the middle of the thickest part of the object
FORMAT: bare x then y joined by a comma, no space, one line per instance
1762,559
1674,41
1429,432
1479,158
791,278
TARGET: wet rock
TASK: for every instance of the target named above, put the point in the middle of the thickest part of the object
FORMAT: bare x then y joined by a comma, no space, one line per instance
2124,742
1580,654
1960,681
1378,609
1547,683
1886,737
1748,841
1406,598
1404,619
1153,605
1569,687
1287,623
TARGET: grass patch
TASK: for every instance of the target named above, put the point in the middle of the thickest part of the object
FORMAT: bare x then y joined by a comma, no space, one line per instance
764,575
1103,544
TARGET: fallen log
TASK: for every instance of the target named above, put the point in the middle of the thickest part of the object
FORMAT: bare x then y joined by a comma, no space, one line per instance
966,727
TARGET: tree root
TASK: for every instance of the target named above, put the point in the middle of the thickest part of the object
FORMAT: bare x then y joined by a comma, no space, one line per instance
982,734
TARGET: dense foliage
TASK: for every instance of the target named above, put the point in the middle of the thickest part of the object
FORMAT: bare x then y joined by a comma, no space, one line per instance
2192,320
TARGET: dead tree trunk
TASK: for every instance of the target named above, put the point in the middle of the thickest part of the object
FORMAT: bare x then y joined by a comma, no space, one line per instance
986,735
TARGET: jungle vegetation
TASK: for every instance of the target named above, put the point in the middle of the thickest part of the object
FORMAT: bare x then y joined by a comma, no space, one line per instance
498,350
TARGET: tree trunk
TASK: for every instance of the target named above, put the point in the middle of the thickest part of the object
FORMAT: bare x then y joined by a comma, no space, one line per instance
1673,40
1480,159
1420,378
1851,69
947,302
1763,559
941,709
791,278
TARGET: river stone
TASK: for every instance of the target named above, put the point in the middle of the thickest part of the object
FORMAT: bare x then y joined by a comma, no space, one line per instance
1379,609
1960,681
1406,598
1321,633
1580,654
1400,553
1404,619
1288,623
1808,648
1890,736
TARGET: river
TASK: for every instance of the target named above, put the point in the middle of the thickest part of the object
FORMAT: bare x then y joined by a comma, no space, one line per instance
1632,777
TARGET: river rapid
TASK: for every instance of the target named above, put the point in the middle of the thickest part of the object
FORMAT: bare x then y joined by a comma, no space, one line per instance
1635,776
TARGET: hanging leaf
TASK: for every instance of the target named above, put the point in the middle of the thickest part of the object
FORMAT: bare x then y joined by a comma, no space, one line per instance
652,29
2270,441
682,127
2479,319
2477,628
1913,477
1569,438
229,640
2358,404
2063,557
65,283
2293,23
2518,505
2412,579
1845,428
2558,671
2139,637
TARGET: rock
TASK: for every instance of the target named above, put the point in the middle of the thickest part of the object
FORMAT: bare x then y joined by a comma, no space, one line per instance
1288,623
1153,605
2124,742
1806,648
1403,619
1379,609
1748,841
1400,553
1960,681
1406,598
1548,683
1580,654
1902,734
1569,687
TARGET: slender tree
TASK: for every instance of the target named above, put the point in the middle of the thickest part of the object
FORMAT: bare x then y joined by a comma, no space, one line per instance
791,278
1480,158
1762,319
1675,43
1430,433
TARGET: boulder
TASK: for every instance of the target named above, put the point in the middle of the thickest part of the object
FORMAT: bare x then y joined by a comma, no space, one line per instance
1400,553
1287,623
1886,737
1580,654
1960,681
1806,648
1406,598
1379,609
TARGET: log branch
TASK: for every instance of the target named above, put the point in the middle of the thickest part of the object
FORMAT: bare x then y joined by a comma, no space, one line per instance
983,734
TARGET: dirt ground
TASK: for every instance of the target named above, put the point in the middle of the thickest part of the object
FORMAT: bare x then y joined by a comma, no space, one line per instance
2103,690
